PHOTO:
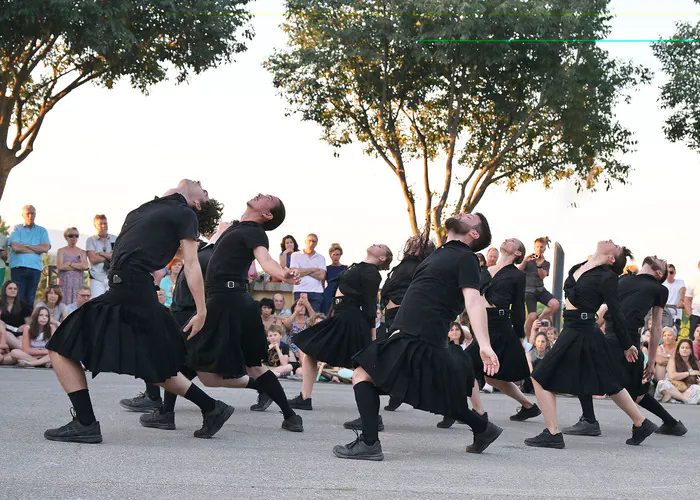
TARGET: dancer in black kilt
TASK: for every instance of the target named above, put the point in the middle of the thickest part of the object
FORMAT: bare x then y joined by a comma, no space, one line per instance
639,294
350,328
229,348
503,289
580,362
416,364
127,330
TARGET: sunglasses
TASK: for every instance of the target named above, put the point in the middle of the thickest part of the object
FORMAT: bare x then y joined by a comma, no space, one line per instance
72,235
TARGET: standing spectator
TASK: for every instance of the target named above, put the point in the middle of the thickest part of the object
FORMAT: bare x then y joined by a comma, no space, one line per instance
71,261
99,250
3,255
332,273
676,292
492,257
52,299
536,269
84,294
29,243
280,310
13,313
298,321
167,284
289,245
35,335
692,302
482,260
311,267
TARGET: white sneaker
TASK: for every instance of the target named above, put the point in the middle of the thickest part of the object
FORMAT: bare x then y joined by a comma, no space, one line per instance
488,388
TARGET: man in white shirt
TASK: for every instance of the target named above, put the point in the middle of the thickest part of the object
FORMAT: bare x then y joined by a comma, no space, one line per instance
311,266
692,303
99,250
676,292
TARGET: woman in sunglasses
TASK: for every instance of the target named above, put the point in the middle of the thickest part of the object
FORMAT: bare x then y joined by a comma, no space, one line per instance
71,262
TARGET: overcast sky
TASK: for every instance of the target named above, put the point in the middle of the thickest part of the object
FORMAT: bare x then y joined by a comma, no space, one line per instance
108,151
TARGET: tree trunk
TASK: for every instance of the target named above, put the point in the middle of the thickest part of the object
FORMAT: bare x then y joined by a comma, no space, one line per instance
7,163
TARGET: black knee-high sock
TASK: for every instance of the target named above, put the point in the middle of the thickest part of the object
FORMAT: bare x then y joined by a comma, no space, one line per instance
268,383
152,391
82,406
587,407
469,417
652,405
200,398
252,384
367,399
169,398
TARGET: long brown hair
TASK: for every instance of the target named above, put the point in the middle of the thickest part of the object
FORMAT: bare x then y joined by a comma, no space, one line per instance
16,305
681,366
462,337
35,329
57,290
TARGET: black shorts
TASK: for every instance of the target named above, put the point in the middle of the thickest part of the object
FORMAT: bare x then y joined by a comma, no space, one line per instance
532,298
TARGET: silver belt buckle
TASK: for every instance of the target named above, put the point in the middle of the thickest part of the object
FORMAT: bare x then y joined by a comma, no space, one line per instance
584,315
116,279
231,284
501,312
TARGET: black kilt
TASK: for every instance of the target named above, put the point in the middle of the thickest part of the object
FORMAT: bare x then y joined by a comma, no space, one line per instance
337,339
512,360
580,362
629,375
233,336
432,378
125,330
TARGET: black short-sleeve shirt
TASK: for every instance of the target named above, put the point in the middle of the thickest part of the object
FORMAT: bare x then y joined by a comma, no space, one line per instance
533,280
17,317
182,296
233,252
434,298
151,234
638,294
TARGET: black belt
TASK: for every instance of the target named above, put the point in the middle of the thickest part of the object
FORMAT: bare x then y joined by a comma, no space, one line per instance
577,314
225,285
498,312
122,276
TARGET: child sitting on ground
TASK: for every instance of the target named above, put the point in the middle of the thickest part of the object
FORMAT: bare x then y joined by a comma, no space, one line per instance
35,335
278,355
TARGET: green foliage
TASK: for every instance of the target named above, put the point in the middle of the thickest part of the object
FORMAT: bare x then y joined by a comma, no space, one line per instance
4,228
483,113
681,62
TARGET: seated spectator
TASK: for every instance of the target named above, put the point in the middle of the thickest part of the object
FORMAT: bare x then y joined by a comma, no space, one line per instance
482,259
645,338
696,342
536,354
333,271
35,335
3,255
289,245
682,383
5,356
456,335
538,326
280,310
13,314
468,337
278,355
266,307
52,299
552,336
167,284
71,262
298,321
664,352
84,294
380,326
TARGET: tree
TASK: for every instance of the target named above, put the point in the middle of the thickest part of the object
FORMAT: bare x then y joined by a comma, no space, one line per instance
479,113
681,62
49,48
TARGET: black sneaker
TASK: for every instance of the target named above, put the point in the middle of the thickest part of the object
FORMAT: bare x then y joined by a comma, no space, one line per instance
393,405
299,403
445,423
546,440
672,430
293,424
264,402
583,428
214,420
639,434
141,403
158,420
75,432
524,413
356,425
482,440
359,450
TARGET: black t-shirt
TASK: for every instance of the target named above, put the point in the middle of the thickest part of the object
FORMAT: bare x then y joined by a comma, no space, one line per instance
233,252
434,298
360,283
151,234
534,282
638,294
398,280
273,357
16,318
182,296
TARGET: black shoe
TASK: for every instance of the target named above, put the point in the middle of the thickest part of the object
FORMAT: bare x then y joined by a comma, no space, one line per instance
359,450
672,430
583,428
356,425
158,420
393,404
445,423
264,402
639,434
482,440
299,403
141,403
293,424
75,432
524,413
546,440
214,420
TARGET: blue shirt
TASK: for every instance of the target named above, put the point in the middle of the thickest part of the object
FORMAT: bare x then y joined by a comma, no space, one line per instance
27,236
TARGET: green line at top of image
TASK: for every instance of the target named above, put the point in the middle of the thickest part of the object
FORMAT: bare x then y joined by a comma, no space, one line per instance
534,40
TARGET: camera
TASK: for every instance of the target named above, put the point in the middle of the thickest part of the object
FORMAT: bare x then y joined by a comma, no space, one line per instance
544,323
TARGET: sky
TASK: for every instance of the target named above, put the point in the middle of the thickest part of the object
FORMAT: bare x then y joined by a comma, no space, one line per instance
108,151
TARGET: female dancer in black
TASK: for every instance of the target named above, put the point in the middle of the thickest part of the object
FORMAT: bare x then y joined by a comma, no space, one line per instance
503,289
350,329
580,362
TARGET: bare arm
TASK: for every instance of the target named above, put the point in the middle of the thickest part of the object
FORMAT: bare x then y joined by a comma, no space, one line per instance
654,337
601,315
688,305
195,283
272,267
20,248
476,310
27,346
60,265
682,296
314,272
95,257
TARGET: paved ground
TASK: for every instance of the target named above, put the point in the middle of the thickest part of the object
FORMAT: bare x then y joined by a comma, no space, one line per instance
253,458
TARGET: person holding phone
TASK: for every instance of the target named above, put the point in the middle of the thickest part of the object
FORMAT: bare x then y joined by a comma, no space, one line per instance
536,269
